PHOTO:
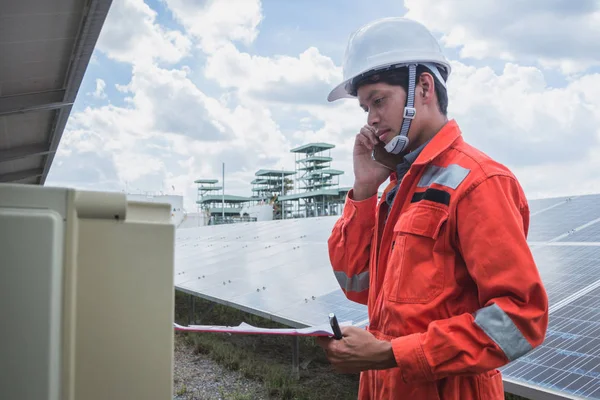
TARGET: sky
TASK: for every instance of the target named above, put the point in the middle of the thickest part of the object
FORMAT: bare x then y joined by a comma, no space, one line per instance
176,88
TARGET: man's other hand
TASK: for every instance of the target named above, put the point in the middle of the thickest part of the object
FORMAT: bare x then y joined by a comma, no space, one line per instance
357,351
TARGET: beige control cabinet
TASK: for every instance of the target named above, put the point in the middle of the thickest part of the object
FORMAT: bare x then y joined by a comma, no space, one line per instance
86,295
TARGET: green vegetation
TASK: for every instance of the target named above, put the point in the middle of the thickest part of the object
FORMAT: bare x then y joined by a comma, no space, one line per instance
182,390
508,396
264,358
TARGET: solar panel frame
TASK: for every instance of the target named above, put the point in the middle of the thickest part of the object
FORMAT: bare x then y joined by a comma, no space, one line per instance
532,392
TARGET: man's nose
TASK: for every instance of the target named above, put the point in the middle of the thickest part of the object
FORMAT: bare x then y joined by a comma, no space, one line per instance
373,118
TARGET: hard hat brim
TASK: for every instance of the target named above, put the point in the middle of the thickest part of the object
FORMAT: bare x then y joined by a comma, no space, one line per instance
339,92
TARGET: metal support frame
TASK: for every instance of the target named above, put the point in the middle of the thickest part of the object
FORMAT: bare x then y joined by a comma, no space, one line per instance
192,315
536,392
23,152
191,320
41,107
19,176
87,36
38,101
296,357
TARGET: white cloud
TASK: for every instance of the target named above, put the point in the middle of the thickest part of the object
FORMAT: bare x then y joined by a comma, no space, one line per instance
170,133
517,117
550,137
131,34
133,166
217,22
173,104
303,79
99,92
554,33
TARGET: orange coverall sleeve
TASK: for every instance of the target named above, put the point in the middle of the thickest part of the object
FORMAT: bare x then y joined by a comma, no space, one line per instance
349,247
492,224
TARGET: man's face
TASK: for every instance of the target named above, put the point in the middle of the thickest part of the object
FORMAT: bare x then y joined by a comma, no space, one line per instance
384,105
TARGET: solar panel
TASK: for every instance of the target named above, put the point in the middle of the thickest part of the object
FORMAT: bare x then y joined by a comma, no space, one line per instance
564,217
278,269
311,310
567,269
590,233
539,205
569,359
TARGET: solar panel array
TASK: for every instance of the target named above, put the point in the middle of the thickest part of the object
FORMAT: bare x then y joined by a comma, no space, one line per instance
538,205
281,270
562,218
277,269
565,238
569,359
566,269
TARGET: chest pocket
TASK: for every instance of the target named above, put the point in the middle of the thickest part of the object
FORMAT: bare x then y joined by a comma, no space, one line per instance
416,268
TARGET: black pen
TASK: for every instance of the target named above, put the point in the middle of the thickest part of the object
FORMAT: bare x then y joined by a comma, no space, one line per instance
337,332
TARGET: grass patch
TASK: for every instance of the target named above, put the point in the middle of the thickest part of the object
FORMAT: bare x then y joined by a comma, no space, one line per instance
508,396
182,390
275,374
264,358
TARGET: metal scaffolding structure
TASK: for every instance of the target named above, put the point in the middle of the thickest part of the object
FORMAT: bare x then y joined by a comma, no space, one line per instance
316,203
219,208
206,186
310,190
317,189
270,183
313,163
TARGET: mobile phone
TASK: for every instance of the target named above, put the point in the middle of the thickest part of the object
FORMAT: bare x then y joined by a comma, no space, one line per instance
381,156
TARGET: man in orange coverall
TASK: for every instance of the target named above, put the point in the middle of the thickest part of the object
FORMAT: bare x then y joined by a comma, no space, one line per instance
442,261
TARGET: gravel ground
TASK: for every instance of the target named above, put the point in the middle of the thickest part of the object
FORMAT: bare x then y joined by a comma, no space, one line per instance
197,377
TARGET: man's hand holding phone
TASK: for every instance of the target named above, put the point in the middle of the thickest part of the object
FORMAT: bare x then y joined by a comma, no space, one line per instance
369,174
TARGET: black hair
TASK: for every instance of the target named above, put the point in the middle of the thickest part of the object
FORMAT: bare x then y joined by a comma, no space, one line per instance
399,77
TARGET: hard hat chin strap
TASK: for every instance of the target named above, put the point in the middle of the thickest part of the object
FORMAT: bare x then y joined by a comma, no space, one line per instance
400,142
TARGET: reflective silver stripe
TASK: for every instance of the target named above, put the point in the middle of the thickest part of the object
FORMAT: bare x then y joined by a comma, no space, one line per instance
451,176
356,283
500,328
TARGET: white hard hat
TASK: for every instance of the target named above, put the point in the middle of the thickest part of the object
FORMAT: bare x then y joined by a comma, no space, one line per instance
388,43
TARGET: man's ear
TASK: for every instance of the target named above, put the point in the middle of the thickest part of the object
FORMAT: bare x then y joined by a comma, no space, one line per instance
426,87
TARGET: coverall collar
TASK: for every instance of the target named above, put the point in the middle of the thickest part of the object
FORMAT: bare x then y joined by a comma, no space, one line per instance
439,142
409,159
401,170
432,148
